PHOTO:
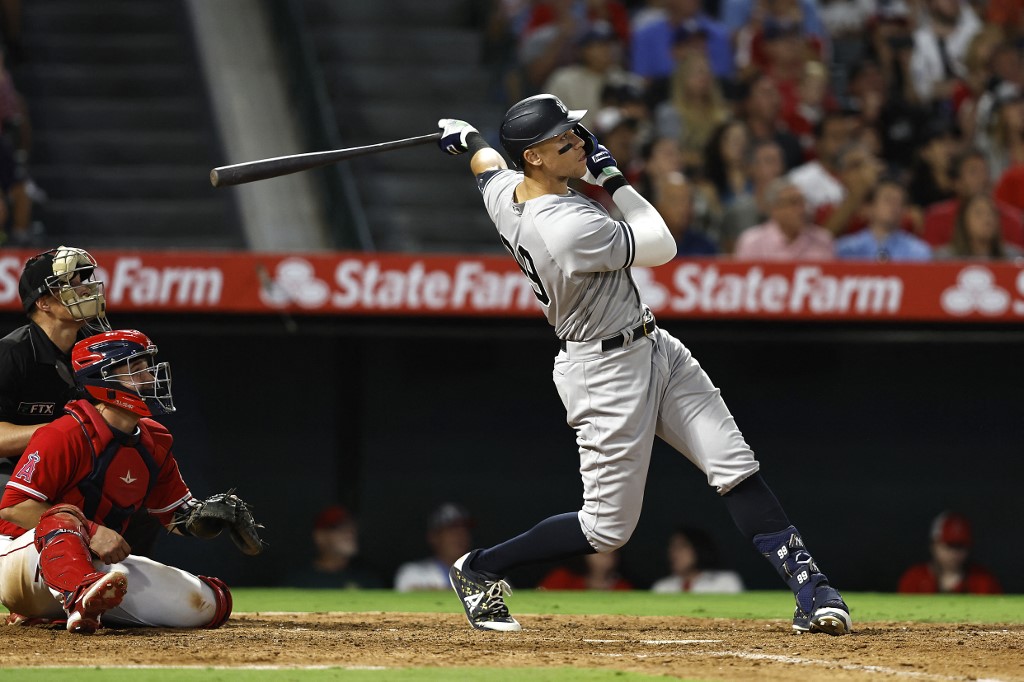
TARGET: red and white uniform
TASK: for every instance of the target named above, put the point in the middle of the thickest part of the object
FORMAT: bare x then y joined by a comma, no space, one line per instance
105,475
78,459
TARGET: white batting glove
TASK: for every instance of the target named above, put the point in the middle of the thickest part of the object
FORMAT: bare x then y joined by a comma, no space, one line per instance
453,135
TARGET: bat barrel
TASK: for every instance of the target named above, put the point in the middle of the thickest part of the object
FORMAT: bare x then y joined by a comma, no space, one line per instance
251,171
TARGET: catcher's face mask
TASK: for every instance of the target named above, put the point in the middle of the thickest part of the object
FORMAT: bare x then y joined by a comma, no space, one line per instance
119,368
148,379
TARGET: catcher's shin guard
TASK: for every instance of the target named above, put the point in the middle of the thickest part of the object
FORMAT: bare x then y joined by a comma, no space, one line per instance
222,595
62,540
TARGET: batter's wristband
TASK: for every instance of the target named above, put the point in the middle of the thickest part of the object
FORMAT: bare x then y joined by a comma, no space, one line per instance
615,182
475,142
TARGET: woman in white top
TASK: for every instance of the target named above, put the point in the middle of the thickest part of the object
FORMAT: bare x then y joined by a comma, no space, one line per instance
692,558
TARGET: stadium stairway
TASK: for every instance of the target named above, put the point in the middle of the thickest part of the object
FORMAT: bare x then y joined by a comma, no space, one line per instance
123,140
392,69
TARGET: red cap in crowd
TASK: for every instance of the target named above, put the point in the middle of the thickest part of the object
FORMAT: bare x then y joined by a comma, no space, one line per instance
952,529
331,517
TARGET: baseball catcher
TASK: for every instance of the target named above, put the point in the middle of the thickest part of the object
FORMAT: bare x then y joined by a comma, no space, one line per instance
80,480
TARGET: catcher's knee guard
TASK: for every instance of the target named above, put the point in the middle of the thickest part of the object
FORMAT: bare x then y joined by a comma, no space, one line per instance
62,540
222,595
63,516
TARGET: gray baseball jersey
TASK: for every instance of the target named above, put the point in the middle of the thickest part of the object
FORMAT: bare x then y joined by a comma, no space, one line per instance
574,253
618,399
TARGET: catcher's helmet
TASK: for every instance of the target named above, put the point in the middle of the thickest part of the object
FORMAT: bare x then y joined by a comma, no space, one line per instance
533,120
67,273
103,369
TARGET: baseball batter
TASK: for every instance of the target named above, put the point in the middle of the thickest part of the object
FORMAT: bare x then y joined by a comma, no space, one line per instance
623,380
77,484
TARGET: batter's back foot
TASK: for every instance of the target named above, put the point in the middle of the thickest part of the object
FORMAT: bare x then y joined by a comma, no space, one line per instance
829,614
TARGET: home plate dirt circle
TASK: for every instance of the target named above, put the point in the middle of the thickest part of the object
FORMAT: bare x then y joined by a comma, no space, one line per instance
721,649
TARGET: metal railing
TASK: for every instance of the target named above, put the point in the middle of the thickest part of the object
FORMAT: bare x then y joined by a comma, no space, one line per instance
346,217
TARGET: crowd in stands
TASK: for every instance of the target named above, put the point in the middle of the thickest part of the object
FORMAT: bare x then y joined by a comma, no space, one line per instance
18,193
885,130
691,555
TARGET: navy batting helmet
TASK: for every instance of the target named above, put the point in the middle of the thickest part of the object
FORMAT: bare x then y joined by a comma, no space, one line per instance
534,120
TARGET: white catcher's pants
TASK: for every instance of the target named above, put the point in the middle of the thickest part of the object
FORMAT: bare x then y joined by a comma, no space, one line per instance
617,401
158,595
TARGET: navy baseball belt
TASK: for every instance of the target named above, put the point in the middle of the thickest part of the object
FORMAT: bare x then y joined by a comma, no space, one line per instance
645,328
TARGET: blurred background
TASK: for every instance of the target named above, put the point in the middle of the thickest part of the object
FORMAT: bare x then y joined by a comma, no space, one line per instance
114,111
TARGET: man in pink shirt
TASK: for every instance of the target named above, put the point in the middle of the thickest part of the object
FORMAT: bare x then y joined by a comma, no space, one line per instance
788,235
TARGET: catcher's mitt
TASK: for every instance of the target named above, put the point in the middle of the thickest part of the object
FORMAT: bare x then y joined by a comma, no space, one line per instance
208,518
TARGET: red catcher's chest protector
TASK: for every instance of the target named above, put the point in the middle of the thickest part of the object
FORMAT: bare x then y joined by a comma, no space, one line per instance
108,495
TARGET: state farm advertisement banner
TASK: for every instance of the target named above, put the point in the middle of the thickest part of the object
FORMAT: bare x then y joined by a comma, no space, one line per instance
338,283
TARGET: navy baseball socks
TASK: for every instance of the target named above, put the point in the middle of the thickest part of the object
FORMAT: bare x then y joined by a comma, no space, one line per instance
819,606
477,576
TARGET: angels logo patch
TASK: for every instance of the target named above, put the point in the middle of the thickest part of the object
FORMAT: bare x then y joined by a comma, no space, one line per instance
28,469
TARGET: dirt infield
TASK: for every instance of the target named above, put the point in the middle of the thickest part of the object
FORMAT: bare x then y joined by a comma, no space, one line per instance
678,647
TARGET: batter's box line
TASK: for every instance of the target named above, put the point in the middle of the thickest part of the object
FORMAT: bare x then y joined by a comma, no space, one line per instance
653,641
778,658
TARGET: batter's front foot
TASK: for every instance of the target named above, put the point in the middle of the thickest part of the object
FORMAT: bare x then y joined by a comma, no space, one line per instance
482,596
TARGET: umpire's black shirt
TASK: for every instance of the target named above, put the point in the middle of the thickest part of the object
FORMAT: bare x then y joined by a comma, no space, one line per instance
32,390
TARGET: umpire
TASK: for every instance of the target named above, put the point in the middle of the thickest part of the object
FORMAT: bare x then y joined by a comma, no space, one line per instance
64,303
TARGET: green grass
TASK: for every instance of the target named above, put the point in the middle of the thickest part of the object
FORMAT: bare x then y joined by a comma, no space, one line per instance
769,605
756,605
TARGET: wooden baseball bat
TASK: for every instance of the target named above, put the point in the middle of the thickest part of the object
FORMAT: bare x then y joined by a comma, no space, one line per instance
250,171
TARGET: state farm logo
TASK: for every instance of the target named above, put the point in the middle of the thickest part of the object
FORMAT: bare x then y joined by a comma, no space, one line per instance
129,280
374,285
807,290
975,291
134,282
294,281
470,284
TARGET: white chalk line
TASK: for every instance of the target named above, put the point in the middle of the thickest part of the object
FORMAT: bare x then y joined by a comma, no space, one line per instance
778,658
655,641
